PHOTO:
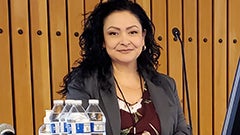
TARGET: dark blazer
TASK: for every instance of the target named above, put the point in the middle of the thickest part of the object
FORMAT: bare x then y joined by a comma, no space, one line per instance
164,98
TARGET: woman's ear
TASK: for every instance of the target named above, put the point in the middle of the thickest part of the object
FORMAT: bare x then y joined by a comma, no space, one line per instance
144,33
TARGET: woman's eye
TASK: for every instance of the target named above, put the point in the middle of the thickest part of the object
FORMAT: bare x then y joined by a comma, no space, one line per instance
133,32
113,33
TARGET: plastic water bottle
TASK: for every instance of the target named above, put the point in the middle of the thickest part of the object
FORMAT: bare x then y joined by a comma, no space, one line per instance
77,120
63,115
97,117
45,128
54,117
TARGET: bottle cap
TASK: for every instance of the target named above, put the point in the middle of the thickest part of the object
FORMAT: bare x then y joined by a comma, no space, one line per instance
78,102
69,101
93,101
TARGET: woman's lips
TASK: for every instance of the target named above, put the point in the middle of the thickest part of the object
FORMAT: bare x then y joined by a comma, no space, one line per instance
125,51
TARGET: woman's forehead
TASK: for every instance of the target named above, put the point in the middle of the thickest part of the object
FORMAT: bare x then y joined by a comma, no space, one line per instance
121,18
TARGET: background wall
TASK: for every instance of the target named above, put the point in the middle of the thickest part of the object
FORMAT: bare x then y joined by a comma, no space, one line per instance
39,44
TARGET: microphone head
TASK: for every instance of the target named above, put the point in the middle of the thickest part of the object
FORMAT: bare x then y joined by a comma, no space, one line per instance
6,129
176,32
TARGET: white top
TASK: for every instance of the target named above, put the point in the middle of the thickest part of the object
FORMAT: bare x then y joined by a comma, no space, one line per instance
57,101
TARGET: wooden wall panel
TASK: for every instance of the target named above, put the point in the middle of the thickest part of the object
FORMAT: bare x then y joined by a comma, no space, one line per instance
40,60
159,17
174,47
233,40
89,6
6,98
219,64
191,51
205,67
75,28
58,44
21,67
146,5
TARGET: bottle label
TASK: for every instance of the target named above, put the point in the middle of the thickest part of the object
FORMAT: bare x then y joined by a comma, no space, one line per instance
76,128
97,126
63,127
54,128
83,127
69,128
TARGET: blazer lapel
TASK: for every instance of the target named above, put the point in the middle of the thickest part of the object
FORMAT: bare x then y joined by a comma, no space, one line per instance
162,105
111,110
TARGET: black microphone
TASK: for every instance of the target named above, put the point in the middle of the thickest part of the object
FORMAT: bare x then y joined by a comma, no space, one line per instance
6,129
176,34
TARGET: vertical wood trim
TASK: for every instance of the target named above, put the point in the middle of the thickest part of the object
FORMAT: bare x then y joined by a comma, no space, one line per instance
159,17
6,98
76,24
233,40
21,67
190,40
58,44
174,47
40,60
219,64
205,67
146,5
89,6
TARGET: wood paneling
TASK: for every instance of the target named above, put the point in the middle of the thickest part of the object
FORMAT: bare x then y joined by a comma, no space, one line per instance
233,39
159,18
191,55
22,84
174,19
58,44
39,45
146,5
6,98
75,27
219,64
40,60
205,67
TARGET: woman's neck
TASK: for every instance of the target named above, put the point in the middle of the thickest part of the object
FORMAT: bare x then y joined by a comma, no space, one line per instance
125,71
127,76
128,83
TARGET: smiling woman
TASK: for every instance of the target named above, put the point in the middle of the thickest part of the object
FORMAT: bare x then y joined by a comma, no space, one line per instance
123,40
120,58
39,42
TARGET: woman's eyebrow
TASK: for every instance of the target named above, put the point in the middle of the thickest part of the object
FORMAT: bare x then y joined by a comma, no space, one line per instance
133,26
130,27
113,27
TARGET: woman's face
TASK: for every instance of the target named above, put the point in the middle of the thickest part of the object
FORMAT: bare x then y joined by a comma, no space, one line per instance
123,37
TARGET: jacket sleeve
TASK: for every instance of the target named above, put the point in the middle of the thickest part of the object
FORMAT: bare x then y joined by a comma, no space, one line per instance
182,128
77,93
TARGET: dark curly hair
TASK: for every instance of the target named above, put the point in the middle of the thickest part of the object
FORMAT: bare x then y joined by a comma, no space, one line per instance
95,57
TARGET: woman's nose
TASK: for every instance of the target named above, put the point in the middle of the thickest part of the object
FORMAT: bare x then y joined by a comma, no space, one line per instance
124,39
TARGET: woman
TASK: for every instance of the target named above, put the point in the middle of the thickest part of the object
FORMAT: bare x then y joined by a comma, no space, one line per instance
118,67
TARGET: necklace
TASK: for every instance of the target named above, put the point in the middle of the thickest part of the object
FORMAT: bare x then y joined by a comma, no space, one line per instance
127,104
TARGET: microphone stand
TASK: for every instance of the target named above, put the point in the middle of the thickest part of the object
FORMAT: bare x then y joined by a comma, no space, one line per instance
176,34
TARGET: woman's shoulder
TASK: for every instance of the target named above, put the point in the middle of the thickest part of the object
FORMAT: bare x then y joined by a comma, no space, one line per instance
82,73
164,79
164,76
